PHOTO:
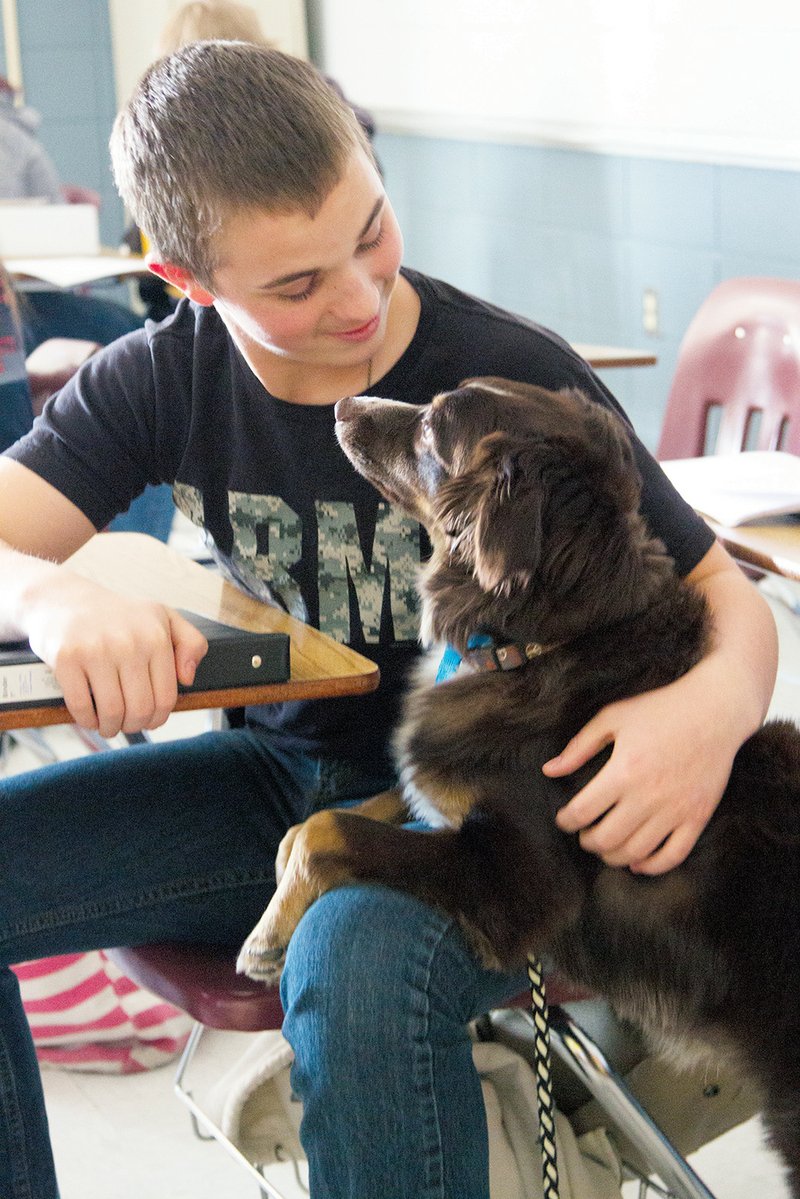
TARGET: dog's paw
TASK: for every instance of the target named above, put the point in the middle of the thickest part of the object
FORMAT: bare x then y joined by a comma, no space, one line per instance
261,964
300,882
264,951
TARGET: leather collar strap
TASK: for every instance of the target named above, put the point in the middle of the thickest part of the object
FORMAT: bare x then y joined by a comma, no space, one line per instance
482,656
487,658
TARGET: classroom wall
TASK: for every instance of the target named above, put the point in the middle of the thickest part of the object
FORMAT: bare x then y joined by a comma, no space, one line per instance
573,239
68,76
575,161
701,79
569,236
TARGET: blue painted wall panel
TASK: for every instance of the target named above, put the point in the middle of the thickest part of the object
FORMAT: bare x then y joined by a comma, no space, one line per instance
572,239
759,212
672,203
68,75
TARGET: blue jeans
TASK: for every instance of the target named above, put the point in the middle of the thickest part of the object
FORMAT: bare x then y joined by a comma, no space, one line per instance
177,841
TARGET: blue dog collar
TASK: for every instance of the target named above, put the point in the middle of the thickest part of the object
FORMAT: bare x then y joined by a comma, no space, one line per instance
451,658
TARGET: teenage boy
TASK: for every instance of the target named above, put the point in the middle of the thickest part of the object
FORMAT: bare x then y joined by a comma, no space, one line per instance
257,190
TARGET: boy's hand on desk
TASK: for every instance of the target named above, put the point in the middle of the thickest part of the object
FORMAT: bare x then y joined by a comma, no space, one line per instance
117,660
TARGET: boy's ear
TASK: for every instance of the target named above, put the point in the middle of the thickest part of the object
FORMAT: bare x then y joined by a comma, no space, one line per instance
183,281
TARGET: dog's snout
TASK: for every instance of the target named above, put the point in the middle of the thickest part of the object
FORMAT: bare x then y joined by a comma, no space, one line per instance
345,408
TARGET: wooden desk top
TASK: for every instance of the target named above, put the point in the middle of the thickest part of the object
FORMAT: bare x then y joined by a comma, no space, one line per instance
772,545
141,566
601,357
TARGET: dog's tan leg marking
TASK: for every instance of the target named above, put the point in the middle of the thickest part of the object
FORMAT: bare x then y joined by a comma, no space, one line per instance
301,880
388,807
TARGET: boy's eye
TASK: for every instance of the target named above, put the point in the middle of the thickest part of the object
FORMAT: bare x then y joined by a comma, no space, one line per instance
305,289
374,242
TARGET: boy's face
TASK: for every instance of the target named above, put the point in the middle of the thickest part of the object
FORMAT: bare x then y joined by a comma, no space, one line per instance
313,290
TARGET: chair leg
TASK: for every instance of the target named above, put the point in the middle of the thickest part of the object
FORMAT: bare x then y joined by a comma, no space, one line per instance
581,1055
33,740
201,1120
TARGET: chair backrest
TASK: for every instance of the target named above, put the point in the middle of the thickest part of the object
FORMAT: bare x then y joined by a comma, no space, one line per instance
737,382
74,193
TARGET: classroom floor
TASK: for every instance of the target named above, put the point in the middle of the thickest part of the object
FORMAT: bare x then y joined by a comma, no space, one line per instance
130,1138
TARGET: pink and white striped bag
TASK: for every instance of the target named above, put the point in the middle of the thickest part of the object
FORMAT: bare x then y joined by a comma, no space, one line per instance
86,1015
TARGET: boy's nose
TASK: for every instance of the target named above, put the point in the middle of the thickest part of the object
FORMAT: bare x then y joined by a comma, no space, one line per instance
357,299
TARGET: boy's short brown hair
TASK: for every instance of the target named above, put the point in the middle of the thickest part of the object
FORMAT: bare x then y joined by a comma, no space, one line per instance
222,126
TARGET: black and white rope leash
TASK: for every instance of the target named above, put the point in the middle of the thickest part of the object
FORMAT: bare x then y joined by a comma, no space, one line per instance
544,1080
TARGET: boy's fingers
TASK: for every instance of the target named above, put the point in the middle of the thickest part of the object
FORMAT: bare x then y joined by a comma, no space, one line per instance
593,737
190,647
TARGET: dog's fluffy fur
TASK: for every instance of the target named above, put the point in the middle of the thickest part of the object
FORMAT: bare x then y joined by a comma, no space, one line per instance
531,499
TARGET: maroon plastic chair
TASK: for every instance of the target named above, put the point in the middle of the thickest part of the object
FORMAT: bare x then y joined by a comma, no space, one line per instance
202,980
737,382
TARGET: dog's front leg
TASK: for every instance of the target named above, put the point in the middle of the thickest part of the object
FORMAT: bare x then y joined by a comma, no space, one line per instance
388,807
302,879
508,895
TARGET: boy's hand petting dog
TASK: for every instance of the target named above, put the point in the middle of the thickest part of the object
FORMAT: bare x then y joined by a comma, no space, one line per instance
651,801
673,747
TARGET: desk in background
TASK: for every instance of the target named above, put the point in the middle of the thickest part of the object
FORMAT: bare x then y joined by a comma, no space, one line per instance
772,545
752,489
69,271
138,565
606,357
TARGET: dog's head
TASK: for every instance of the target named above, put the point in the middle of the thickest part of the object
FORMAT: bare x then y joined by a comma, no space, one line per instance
523,490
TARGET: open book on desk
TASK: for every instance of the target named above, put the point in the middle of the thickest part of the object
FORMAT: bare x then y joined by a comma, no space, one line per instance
235,658
736,489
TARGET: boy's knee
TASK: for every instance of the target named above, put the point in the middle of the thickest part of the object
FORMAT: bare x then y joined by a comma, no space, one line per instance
354,932
362,951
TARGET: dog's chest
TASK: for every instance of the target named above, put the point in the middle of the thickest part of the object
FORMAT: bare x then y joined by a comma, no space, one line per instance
433,803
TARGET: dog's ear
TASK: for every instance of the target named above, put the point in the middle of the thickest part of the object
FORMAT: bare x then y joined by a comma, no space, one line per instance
507,530
608,464
560,485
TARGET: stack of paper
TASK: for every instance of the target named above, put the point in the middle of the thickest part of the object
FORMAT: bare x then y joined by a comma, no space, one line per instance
734,489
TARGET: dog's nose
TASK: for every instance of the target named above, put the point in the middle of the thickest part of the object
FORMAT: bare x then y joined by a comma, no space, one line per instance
345,408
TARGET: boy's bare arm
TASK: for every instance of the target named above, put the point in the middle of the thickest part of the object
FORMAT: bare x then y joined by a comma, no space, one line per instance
117,660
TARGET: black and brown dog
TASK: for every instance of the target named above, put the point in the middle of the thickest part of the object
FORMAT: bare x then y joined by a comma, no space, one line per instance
531,500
